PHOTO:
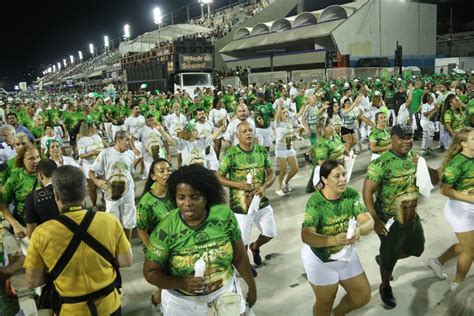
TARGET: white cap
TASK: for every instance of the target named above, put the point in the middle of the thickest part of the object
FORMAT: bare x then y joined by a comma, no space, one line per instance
10,99
346,85
369,78
356,80
90,95
106,99
332,85
290,84
377,93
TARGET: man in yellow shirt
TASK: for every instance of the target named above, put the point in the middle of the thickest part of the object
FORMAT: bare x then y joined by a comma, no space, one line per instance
84,277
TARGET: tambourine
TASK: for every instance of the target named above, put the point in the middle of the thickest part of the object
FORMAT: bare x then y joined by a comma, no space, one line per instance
153,149
116,186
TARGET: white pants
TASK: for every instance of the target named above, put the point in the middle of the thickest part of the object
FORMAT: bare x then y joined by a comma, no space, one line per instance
108,131
263,219
326,273
124,208
180,305
428,133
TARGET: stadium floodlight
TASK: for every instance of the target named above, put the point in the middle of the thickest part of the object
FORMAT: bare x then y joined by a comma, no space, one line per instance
54,68
80,55
126,32
91,48
64,62
157,17
71,58
106,41
59,66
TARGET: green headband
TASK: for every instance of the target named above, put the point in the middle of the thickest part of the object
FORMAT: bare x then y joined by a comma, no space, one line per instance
191,124
49,142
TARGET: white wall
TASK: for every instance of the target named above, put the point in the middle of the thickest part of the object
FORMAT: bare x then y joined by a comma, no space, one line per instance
376,27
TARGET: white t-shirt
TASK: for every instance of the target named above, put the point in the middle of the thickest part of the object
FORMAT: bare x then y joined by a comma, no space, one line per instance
111,162
231,131
286,103
282,130
134,125
67,161
204,129
175,123
149,136
216,116
193,152
88,144
426,107
6,152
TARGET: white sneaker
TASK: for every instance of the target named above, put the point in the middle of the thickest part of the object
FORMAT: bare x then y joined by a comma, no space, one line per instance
288,188
437,268
454,286
280,192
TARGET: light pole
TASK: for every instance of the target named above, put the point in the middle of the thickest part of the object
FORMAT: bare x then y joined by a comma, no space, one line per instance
157,19
126,32
80,56
106,43
91,49
71,58
64,62
59,66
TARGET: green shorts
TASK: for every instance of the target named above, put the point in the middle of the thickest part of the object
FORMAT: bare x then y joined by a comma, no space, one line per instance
408,238
312,138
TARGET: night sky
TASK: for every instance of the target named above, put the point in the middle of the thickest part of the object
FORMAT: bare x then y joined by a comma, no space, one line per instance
35,34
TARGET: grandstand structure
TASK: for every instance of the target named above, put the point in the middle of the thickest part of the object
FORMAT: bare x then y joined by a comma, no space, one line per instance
154,55
362,33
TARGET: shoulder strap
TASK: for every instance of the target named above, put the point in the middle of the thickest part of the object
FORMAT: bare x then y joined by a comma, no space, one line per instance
73,244
83,235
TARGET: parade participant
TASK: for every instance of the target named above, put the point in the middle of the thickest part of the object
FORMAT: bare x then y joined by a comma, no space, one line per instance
72,119
154,206
458,172
329,145
444,92
49,135
192,149
175,123
392,177
324,231
452,118
310,118
263,113
107,111
230,135
218,116
81,289
205,128
428,109
379,137
38,128
241,162
194,279
53,152
153,145
54,116
284,151
40,205
116,165
349,116
134,126
17,187
89,146
20,141
7,148
12,120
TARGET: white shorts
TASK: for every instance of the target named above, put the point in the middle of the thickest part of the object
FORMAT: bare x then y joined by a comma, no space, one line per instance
124,208
85,168
263,219
180,305
326,273
459,215
264,136
285,153
211,160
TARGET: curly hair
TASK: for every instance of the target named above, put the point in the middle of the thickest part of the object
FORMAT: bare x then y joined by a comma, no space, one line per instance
20,157
200,179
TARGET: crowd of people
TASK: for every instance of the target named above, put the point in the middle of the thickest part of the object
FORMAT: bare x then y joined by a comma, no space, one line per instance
66,157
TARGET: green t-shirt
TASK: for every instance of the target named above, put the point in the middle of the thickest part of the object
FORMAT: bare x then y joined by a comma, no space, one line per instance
331,217
390,98
325,149
237,163
459,173
266,111
415,105
470,114
300,101
16,188
455,118
176,247
381,138
151,210
396,179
